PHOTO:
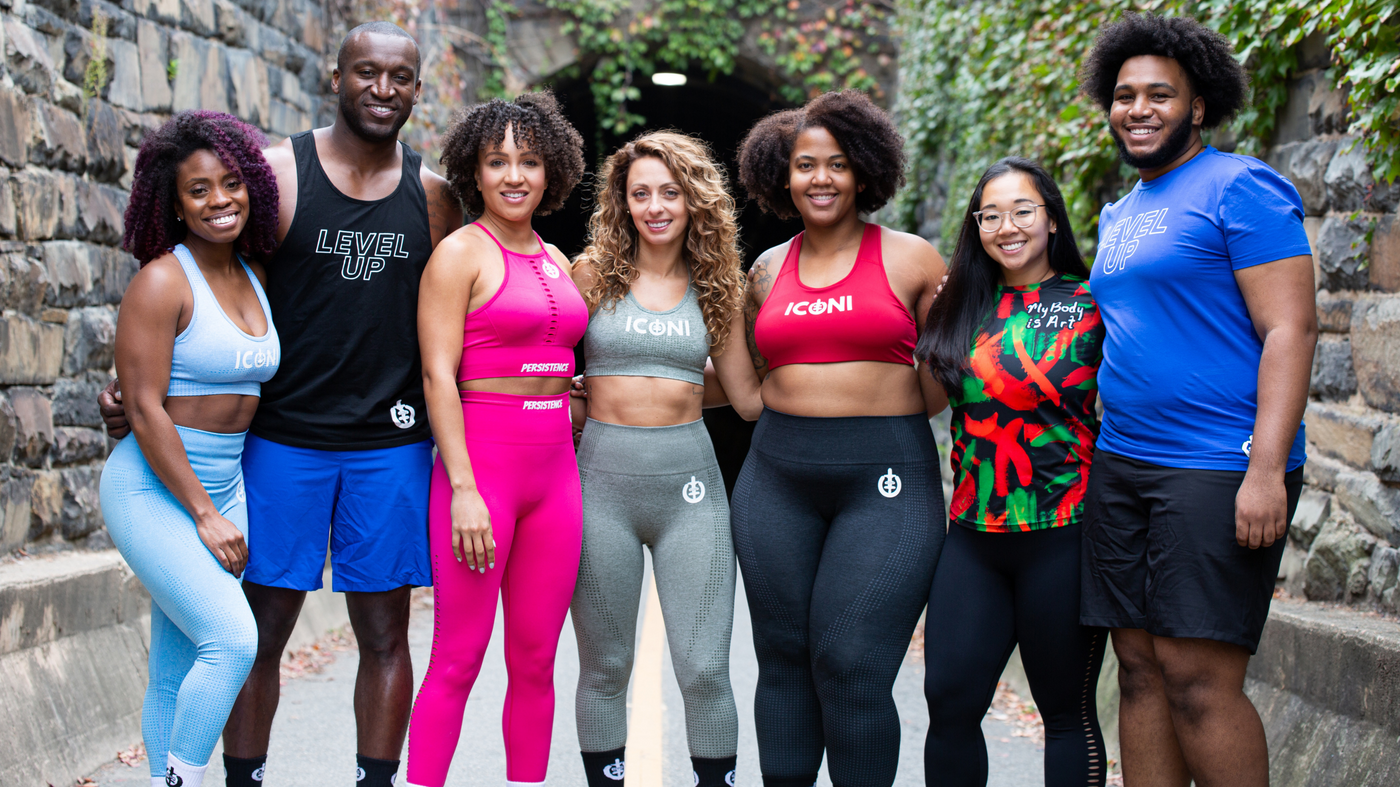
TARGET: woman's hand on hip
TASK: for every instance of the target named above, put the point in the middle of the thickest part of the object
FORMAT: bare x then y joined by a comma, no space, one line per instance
471,531
225,541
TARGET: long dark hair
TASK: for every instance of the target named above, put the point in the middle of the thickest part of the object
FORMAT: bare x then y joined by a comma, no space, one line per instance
970,294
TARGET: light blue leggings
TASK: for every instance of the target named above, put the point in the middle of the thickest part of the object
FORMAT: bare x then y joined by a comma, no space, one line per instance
203,637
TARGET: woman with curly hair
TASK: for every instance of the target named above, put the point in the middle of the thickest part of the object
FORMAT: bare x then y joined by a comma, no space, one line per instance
662,281
498,318
838,511
195,342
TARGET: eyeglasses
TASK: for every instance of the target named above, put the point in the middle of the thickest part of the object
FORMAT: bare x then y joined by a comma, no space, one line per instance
990,220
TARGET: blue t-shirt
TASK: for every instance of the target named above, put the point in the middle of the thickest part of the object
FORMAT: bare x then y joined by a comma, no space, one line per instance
1180,371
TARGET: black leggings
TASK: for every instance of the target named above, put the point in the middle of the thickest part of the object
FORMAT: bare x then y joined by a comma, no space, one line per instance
837,524
992,591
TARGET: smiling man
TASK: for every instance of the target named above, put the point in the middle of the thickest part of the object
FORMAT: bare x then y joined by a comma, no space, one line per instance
1204,279
340,447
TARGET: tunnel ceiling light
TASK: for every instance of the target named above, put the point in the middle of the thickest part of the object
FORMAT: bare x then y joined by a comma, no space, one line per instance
668,79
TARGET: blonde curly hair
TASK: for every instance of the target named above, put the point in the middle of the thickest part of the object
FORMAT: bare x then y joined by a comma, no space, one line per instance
711,242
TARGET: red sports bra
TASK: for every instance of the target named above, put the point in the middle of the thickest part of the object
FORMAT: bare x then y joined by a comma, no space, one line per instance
529,327
856,319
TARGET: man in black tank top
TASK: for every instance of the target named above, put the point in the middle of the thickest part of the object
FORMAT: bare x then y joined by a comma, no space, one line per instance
340,442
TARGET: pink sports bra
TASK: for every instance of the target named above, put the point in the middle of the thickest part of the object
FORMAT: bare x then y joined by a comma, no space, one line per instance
859,318
529,327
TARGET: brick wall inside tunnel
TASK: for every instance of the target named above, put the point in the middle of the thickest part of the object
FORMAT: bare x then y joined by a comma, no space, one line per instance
65,167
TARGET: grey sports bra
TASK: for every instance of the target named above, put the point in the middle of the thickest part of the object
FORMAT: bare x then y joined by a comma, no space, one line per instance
626,340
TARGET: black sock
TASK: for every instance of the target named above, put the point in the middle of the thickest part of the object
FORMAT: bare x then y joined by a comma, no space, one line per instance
375,773
714,772
244,771
604,768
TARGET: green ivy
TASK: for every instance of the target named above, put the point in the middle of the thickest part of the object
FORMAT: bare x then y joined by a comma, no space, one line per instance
1009,86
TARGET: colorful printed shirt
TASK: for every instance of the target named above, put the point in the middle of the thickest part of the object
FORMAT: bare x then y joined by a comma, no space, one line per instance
1024,423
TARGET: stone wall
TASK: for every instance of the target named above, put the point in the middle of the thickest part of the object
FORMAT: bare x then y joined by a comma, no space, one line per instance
66,157
1343,546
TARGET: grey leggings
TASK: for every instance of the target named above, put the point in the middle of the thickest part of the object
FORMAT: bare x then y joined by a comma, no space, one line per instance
659,486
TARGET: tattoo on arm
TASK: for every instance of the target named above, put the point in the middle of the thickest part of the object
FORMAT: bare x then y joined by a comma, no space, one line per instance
760,281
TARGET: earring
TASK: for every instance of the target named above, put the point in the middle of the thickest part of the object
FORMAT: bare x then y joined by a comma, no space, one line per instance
177,218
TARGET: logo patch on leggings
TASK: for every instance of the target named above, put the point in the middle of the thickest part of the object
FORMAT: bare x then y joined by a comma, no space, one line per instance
258,774
171,779
359,774
615,771
889,484
403,414
694,491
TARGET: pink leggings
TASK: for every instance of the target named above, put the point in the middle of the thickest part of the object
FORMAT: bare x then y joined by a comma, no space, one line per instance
522,455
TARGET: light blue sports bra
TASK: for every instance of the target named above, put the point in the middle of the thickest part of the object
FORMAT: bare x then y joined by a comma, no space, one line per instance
214,356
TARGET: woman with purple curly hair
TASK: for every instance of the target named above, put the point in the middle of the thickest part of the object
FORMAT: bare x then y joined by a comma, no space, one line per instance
195,341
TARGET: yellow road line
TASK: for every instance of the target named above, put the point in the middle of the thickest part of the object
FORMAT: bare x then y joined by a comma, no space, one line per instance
644,728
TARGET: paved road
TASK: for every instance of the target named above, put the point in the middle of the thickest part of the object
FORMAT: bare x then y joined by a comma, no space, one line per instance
313,741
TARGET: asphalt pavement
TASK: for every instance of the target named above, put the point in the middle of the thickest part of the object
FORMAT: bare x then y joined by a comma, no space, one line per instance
313,739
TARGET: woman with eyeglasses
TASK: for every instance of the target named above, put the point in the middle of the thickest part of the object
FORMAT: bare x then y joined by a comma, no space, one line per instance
1015,339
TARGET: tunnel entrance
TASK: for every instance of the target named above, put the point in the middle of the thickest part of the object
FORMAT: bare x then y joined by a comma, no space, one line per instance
720,111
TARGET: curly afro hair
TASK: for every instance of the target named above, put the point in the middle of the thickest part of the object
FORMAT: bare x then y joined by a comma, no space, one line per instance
536,122
865,133
150,227
1205,56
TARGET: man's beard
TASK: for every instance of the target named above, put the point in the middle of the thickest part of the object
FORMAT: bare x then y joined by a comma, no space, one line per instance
348,110
1178,139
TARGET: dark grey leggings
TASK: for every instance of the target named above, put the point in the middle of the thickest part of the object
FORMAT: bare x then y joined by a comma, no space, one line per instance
837,523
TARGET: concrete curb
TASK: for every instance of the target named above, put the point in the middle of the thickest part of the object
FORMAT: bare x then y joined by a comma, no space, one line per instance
74,638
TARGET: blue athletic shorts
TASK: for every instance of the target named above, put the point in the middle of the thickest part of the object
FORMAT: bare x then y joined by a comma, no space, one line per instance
372,506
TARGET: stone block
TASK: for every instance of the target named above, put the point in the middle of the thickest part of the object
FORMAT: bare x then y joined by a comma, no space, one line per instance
230,24
1338,565
1343,431
287,119
31,352
100,210
1385,254
36,204
1385,453
1375,350
154,46
197,16
1348,176
89,339
106,154
34,434
1306,164
72,274
1385,572
1343,253
74,444
118,268
1332,375
250,86
45,503
23,282
1302,115
67,95
8,429
273,46
201,79
27,57
75,400
125,88
57,138
82,510
313,27
1314,507
78,50
1371,503
1334,311
8,222
14,127
14,510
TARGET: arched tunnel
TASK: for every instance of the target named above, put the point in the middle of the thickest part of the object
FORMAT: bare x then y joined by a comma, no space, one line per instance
719,110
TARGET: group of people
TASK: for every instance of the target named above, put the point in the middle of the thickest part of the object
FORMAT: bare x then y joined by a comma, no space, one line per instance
399,330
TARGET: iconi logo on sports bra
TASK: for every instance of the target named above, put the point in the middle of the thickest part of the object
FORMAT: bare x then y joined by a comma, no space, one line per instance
694,491
249,359
889,484
819,307
657,327
550,269
403,414
616,771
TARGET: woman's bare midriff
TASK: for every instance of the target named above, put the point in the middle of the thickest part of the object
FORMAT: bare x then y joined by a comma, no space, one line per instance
219,413
839,390
643,401
518,386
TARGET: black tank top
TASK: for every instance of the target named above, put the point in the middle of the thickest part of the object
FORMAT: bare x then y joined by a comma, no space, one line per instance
343,288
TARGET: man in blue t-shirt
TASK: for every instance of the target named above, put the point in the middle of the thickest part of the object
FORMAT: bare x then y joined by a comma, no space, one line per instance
1204,279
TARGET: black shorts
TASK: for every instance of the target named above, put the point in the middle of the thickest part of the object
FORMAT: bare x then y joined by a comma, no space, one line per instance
1159,553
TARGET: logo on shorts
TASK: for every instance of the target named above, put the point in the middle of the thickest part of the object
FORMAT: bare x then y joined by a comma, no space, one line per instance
694,491
258,774
359,774
616,770
889,484
242,498
1247,444
550,269
171,779
549,404
403,414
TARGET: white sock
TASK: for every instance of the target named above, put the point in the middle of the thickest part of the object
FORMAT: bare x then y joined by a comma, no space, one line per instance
182,774
157,781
